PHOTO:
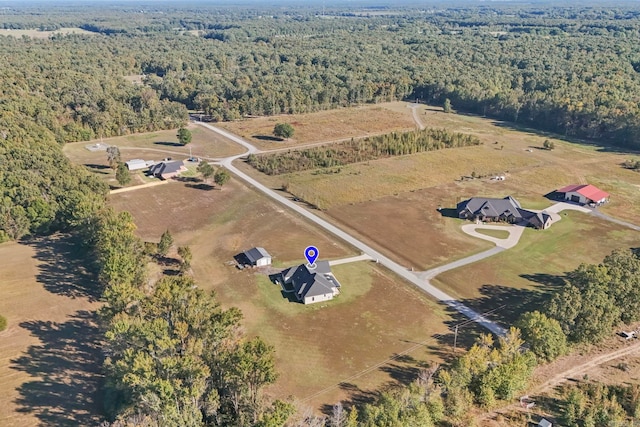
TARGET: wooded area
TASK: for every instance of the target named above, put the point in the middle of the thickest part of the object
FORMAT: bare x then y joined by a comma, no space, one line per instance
360,150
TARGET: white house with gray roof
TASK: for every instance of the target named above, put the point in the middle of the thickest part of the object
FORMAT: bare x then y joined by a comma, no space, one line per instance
310,285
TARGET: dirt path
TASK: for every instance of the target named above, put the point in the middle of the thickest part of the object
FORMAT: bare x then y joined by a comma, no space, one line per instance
575,371
137,187
416,119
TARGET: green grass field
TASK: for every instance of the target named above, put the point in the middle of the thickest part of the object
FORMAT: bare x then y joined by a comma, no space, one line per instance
521,276
498,234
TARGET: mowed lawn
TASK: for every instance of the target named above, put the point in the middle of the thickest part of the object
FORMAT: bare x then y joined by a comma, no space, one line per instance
318,346
341,349
325,126
519,278
50,357
150,146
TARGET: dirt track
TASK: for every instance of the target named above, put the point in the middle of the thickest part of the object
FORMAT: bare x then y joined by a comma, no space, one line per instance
565,375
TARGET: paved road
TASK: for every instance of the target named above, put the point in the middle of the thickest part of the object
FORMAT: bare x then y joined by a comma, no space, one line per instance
364,257
515,232
606,217
400,270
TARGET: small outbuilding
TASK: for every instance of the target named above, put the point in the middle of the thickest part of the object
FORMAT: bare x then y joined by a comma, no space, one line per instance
584,194
137,164
258,257
545,423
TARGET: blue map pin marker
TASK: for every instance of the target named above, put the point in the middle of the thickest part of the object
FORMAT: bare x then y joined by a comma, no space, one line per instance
311,253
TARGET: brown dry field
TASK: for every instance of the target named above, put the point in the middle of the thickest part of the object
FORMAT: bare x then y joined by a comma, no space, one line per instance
342,350
49,355
317,347
37,34
409,228
325,126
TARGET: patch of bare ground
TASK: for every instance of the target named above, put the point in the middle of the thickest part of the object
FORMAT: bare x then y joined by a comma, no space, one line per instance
50,353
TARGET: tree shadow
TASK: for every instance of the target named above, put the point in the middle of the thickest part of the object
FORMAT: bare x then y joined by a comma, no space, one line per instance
201,186
357,397
98,169
65,267
267,138
64,366
168,144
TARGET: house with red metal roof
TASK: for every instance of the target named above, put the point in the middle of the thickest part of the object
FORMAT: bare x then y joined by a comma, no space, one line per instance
584,194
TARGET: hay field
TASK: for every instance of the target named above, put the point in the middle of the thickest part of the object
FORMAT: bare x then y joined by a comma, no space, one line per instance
325,126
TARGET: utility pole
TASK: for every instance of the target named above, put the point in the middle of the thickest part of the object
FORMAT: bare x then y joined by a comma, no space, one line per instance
455,339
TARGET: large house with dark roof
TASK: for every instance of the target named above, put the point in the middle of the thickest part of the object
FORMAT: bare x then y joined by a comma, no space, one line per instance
584,194
167,169
488,209
507,210
310,285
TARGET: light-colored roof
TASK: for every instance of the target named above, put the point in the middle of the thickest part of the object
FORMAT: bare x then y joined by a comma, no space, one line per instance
544,423
589,191
254,254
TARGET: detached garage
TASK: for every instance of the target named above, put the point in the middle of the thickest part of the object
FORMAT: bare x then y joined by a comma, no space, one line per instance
258,257
584,194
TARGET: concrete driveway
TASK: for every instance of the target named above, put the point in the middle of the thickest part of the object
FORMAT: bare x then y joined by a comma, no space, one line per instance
515,232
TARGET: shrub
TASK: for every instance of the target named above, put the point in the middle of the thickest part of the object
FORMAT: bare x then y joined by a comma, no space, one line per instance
3,323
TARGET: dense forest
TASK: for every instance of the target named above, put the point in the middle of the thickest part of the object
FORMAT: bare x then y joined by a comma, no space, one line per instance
173,356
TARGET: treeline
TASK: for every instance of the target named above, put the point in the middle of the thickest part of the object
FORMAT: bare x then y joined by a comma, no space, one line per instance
173,356
570,70
596,298
361,150
595,404
447,396
40,190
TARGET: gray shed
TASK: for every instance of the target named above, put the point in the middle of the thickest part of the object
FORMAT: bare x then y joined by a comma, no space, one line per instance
545,423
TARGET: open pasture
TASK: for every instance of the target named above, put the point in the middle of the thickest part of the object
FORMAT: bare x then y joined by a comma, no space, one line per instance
325,126
49,354
531,171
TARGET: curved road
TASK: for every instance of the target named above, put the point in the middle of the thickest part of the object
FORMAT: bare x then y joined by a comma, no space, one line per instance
420,281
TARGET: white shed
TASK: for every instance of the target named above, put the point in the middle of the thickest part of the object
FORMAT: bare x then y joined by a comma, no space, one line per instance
258,257
136,164
545,423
